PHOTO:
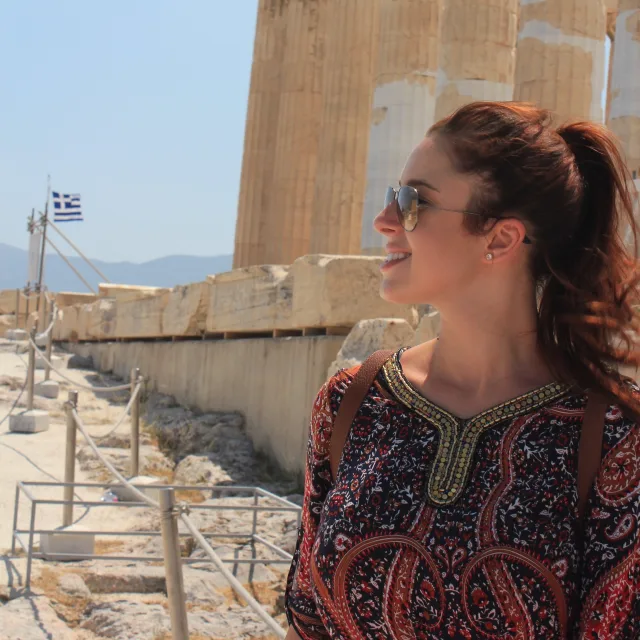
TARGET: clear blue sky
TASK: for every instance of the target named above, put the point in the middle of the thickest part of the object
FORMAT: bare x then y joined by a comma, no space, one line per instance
139,106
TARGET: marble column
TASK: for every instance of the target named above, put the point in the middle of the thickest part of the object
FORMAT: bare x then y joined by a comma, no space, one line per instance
625,83
560,57
287,235
404,99
256,182
477,53
351,48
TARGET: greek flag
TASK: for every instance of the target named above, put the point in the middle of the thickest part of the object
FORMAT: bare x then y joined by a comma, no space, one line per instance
66,207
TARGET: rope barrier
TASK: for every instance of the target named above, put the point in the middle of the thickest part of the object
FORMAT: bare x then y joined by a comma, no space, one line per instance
44,334
134,395
122,387
143,497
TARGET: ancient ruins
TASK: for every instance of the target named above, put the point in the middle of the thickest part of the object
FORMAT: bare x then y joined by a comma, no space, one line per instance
341,90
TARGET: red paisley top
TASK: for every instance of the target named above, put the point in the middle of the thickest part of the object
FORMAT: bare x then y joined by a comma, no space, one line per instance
438,527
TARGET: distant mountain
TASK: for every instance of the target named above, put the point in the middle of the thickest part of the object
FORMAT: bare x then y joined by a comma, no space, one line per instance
163,272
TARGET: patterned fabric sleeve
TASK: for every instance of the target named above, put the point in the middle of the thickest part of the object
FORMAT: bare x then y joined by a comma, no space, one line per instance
299,602
610,596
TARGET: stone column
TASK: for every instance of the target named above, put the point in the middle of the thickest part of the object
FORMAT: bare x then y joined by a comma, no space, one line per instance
287,233
560,58
256,180
477,55
404,99
351,54
625,83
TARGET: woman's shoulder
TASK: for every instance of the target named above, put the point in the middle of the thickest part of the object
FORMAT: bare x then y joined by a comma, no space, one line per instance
329,399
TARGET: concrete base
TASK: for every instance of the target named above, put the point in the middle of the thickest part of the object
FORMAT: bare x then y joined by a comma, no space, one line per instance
41,340
16,334
67,544
29,422
56,361
47,389
150,487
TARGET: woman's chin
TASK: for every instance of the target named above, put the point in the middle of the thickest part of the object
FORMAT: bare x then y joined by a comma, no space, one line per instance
398,293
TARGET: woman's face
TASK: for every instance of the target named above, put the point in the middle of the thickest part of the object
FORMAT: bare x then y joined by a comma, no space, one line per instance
444,258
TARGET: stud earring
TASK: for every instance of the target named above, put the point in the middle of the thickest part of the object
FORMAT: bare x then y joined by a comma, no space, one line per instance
489,256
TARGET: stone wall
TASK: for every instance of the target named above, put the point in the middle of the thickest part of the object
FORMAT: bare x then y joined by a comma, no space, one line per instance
271,382
319,292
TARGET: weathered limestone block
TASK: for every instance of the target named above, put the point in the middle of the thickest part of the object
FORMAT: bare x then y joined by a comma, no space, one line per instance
66,326
97,321
339,291
67,299
251,299
7,322
369,336
127,292
186,311
428,329
141,318
8,302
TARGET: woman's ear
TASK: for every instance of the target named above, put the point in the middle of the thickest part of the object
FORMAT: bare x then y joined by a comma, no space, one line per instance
505,237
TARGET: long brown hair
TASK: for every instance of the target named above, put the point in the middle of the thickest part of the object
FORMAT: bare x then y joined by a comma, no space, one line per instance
570,187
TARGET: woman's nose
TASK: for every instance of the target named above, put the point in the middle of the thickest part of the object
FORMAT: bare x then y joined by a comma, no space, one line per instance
386,222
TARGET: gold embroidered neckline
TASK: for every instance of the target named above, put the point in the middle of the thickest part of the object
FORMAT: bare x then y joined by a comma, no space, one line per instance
459,437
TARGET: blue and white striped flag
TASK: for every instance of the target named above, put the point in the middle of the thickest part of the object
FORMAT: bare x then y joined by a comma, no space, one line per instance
66,207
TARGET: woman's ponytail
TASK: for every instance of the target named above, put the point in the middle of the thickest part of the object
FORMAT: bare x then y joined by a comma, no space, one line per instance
588,309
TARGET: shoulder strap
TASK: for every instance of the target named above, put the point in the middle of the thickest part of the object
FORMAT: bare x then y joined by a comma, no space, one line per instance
590,449
351,401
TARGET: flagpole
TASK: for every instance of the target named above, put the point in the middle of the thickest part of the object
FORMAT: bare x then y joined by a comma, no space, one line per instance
44,243
31,227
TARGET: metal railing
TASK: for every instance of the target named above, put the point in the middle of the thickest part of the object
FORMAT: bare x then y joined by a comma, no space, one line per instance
263,502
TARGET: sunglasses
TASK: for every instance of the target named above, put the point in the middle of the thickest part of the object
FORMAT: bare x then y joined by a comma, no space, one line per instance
408,204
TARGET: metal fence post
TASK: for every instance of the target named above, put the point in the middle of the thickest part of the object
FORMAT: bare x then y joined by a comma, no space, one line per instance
17,309
254,531
47,368
27,297
135,425
70,459
15,520
32,526
32,369
173,566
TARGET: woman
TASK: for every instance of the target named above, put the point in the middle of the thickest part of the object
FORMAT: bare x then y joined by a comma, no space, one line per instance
454,509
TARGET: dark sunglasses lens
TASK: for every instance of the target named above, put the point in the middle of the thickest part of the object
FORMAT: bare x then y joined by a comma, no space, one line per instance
389,197
408,206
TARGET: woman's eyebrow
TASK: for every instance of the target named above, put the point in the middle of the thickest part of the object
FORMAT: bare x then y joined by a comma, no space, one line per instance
420,183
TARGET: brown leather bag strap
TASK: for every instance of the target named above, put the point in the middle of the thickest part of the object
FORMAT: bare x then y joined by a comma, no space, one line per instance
590,450
351,401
